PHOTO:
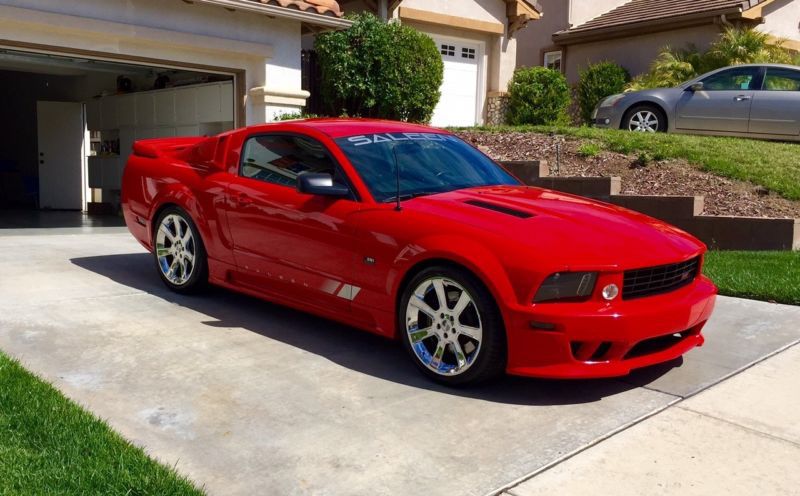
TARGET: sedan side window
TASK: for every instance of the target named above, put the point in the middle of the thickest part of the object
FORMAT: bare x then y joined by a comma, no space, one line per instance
740,78
780,79
279,159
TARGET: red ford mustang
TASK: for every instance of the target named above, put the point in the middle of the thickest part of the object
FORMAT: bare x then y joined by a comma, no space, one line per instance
408,232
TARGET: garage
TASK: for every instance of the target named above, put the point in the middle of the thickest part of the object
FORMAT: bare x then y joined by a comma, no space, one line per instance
75,120
458,104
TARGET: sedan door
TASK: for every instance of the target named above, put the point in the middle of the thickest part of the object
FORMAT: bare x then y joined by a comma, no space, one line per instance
723,104
294,245
776,108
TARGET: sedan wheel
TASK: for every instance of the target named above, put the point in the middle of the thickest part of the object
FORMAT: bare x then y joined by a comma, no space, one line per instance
451,328
644,119
179,252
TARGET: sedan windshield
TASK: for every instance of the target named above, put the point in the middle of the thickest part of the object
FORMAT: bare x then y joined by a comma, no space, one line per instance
428,163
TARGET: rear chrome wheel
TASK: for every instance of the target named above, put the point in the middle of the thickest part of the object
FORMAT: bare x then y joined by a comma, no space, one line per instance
179,251
451,327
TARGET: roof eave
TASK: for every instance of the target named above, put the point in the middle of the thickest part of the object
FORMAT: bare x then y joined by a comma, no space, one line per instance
624,30
309,18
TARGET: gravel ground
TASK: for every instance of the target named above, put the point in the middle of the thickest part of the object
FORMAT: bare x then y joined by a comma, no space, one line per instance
671,177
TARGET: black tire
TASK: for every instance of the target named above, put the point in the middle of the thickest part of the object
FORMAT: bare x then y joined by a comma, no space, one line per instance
490,360
198,278
631,114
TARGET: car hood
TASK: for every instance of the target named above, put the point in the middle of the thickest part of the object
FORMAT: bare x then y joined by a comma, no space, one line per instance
552,225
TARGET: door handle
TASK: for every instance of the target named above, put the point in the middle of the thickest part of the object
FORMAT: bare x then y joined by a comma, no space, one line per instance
241,199
741,98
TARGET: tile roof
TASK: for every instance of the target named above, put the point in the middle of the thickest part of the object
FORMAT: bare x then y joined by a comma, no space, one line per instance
638,11
323,7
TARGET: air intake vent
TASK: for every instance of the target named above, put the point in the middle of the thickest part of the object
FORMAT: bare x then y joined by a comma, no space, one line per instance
658,280
499,208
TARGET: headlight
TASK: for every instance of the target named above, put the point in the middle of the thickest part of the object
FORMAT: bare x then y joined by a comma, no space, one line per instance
612,100
566,286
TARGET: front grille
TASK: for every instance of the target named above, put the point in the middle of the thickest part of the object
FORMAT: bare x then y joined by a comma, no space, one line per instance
650,281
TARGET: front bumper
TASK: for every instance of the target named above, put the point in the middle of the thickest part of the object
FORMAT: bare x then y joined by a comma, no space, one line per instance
597,339
606,117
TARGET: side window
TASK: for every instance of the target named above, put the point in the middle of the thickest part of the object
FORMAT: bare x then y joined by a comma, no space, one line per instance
780,79
279,159
740,78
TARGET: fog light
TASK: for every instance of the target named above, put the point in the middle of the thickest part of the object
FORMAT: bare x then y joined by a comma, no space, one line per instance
610,292
607,121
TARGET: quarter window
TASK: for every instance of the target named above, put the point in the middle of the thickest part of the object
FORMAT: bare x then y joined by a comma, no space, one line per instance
780,79
740,78
279,159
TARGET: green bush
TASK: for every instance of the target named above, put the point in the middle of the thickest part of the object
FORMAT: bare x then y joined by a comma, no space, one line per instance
734,46
589,149
378,69
597,82
537,95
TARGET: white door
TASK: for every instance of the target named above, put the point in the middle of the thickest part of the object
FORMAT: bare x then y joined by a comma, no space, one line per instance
458,104
61,154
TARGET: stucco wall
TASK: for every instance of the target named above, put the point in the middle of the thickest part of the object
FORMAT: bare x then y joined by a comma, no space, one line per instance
267,49
637,52
537,35
481,10
781,19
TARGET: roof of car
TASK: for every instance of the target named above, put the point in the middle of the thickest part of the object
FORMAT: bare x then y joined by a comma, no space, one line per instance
340,127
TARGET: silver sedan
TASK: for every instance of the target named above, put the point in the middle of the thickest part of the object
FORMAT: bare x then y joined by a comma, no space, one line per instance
755,100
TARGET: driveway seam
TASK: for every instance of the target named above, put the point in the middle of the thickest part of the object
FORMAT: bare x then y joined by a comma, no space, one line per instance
508,488
747,428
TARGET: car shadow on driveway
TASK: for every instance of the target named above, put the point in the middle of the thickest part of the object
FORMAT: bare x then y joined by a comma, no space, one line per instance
349,347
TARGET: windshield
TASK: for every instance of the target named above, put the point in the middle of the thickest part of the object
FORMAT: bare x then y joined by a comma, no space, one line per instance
429,163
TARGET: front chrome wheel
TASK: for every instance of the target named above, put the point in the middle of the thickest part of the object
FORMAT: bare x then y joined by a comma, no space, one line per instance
176,249
444,326
644,121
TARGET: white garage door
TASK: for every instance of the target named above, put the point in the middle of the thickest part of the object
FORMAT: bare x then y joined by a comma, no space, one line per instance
459,101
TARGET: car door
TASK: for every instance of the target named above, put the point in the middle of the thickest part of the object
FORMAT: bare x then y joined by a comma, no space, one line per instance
776,108
297,246
723,104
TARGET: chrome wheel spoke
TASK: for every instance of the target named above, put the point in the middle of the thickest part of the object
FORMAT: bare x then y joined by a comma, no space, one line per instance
163,229
469,331
420,334
438,286
462,303
461,358
436,358
418,303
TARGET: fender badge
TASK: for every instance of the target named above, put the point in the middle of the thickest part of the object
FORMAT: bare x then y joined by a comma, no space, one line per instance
369,260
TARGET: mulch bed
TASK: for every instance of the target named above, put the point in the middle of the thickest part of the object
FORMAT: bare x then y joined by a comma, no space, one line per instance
671,177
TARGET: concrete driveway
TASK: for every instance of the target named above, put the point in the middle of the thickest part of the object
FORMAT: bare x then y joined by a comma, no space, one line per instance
247,397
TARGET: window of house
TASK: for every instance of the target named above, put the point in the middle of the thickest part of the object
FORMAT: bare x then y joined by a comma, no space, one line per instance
448,50
780,79
279,159
552,60
467,53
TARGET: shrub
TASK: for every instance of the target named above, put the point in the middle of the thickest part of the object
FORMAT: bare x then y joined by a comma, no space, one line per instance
294,115
378,69
589,149
734,46
537,95
597,82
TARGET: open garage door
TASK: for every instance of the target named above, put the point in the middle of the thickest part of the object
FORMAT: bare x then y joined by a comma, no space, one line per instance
73,121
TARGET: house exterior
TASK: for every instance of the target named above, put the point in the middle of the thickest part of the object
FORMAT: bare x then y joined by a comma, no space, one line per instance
576,33
478,43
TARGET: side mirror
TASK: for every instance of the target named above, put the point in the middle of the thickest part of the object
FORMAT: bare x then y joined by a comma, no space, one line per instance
320,184
698,86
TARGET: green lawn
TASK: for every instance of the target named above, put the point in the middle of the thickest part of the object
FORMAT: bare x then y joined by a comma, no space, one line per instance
49,445
758,275
774,165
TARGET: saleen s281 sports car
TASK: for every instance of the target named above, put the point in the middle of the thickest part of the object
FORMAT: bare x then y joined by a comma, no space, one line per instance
408,232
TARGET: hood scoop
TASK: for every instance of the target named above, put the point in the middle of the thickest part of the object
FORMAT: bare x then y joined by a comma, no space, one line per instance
499,208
